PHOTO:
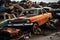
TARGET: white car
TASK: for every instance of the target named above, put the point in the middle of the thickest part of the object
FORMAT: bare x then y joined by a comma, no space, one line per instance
48,9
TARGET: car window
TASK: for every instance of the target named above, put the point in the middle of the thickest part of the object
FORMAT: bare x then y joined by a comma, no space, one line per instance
43,10
9,16
34,11
12,16
29,12
6,16
46,9
1,17
26,12
39,11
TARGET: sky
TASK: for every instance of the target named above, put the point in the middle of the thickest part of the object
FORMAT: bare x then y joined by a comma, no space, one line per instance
42,0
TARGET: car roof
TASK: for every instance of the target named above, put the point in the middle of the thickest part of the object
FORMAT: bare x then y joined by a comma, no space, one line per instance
48,7
33,8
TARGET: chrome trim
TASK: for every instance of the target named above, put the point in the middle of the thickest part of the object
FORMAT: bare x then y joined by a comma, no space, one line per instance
20,24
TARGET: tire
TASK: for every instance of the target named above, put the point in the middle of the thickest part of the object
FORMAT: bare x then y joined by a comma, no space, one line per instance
36,29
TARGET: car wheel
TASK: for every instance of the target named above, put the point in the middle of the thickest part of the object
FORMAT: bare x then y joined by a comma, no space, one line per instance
36,29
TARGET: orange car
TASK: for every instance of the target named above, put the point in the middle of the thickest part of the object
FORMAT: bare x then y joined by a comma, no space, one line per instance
31,17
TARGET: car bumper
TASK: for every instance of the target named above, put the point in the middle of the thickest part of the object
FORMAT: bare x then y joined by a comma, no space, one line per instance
24,24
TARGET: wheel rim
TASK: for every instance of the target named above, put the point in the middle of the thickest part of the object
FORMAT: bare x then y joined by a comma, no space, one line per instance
36,29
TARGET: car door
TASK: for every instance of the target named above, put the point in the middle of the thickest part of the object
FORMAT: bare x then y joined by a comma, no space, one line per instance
40,17
43,18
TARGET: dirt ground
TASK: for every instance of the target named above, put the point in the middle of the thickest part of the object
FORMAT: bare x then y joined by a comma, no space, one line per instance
53,36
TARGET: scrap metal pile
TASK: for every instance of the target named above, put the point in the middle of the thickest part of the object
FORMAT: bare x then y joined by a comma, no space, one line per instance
19,20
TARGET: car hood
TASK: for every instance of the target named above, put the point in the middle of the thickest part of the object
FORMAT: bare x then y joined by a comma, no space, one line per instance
23,17
19,20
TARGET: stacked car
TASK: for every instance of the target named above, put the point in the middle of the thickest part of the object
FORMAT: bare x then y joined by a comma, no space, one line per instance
29,20
56,13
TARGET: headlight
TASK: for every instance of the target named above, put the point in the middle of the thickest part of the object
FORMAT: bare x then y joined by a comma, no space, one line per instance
28,21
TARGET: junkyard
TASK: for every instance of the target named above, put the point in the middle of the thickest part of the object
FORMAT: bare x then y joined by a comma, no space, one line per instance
29,20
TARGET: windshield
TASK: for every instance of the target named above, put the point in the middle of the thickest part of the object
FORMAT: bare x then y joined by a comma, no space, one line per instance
28,12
